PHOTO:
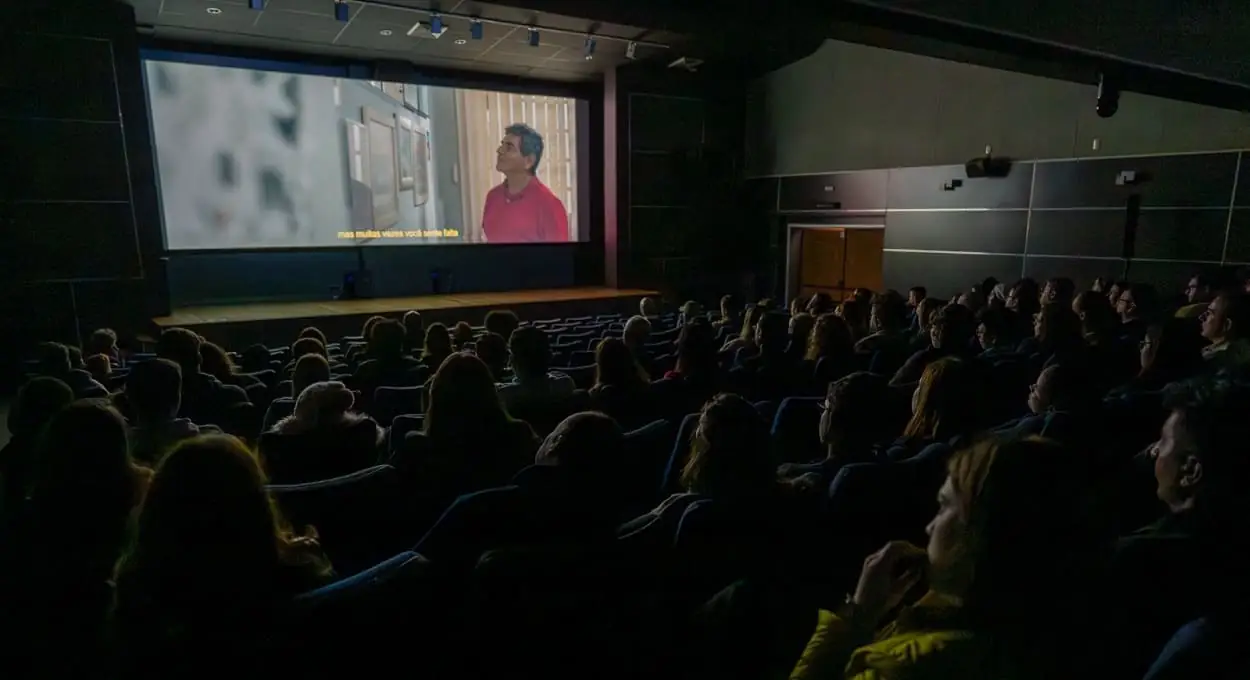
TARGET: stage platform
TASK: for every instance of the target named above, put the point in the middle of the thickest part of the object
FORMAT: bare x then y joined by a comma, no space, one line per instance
277,323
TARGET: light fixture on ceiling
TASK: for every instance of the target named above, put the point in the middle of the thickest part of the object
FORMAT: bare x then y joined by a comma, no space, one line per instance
341,11
631,50
256,4
437,27
461,41
213,10
385,31
534,39
475,29
590,47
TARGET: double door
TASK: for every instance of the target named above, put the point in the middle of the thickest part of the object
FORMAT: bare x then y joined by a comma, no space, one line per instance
838,260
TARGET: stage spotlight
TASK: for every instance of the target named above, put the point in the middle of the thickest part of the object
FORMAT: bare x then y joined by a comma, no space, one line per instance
437,27
590,47
475,29
256,4
533,37
1108,101
341,11
631,50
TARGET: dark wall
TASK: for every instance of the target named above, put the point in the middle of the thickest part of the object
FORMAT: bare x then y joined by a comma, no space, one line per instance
1047,218
681,228
80,243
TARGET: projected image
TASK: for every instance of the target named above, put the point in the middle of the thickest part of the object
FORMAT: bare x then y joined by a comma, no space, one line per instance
262,159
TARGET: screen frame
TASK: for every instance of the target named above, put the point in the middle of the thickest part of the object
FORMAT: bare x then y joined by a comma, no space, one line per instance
228,56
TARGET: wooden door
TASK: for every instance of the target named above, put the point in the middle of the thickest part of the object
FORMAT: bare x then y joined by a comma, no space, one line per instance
864,249
822,266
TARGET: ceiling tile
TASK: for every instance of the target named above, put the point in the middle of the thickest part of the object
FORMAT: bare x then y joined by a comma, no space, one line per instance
370,36
146,11
390,17
296,26
195,14
518,44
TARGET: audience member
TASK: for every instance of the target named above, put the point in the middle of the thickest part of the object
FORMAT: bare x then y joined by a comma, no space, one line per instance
204,398
855,313
54,362
1138,307
621,384
414,332
855,417
730,312
746,336
950,334
492,349
37,402
153,393
502,322
637,331
801,326
533,384
1226,325
103,341
830,349
216,362
994,333
309,369
1169,352
100,368
1199,292
886,325
461,336
944,406
323,438
437,346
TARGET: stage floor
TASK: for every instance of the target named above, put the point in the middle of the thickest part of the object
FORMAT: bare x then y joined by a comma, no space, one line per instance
446,304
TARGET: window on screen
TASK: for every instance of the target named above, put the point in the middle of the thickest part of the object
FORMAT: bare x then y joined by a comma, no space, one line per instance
264,159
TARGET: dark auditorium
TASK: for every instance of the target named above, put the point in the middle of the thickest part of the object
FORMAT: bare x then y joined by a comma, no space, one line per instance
539,339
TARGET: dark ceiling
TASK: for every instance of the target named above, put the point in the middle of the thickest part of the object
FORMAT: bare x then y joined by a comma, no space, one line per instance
1205,38
385,30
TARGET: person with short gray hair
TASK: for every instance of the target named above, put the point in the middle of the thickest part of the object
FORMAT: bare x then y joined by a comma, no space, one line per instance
522,209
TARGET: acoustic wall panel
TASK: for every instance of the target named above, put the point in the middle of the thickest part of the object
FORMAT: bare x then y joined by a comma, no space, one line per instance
1077,233
58,160
77,84
72,241
1192,235
967,231
934,188
844,191
1239,235
1082,271
1198,180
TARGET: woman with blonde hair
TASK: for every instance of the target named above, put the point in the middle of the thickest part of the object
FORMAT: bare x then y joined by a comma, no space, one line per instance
1016,519
944,406
830,349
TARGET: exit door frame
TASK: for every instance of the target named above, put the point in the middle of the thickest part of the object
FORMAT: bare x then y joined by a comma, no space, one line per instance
794,248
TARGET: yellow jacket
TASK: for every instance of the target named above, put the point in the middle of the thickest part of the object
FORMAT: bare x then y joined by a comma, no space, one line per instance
910,647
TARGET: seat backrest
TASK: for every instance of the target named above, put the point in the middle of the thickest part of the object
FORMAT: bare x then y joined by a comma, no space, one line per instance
389,402
796,429
670,481
1200,649
400,427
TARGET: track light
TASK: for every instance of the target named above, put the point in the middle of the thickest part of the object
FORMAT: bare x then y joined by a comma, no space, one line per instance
631,50
256,4
590,47
341,11
437,28
475,29
533,37
1108,101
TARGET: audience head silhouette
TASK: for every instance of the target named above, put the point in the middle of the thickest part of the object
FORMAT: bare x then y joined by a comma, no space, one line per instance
154,389
729,456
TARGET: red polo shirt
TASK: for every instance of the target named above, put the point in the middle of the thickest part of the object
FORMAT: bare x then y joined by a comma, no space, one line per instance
533,215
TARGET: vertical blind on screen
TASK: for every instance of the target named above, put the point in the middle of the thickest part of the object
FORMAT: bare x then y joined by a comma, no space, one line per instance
483,116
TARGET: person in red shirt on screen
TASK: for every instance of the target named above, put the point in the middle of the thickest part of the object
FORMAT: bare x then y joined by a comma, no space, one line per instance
522,209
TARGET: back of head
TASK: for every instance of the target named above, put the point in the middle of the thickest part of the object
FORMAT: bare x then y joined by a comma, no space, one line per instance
180,346
1070,388
1145,299
590,445
309,369
1059,327
462,399
154,389
437,341
615,365
531,353
308,346
323,404
889,312
388,339
1032,526
366,331
860,405
773,332
820,303
830,337
462,334
649,307
99,365
801,326
53,359
206,512
84,462
414,327
730,308
955,324
1176,351
1213,427
1096,313
502,321
730,456
257,358
102,341
749,321
696,349
215,361
37,401
493,350
1236,312
312,332
927,310
637,329
946,400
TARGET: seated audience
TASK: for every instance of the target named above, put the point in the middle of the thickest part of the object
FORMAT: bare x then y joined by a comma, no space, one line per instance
56,569
995,333
313,332
414,332
649,309
950,334
696,377
886,325
322,439
766,372
1189,563
103,341
502,322
388,366
1059,290
746,336
153,393
1014,520
204,397
855,313
256,358
358,354
944,406
37,402
1024,300
213,562
305,346
1138,307
532,383
620,388
437,346
689,311
1170,351
100,367
1199,292
461,336
468,441
54,362
801,325
637,331
730,312
492,349
855,417
570,496
830,349
309,369
1057,335
1223,324
821,303
216,362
